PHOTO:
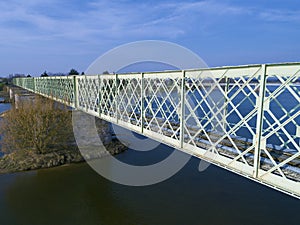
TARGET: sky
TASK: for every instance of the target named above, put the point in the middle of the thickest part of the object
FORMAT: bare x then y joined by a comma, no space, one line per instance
57,35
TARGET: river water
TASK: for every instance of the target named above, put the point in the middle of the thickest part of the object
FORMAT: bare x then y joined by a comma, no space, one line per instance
75,194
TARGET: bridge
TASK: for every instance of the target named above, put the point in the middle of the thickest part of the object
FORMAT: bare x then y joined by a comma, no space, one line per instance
245,119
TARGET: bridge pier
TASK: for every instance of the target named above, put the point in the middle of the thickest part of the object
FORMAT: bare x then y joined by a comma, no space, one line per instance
91,134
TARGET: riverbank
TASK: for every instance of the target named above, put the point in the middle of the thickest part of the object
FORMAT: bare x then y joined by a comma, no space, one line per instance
4,97
25,160
4,101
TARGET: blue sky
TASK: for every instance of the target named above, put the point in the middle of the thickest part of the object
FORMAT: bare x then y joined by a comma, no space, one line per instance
57,35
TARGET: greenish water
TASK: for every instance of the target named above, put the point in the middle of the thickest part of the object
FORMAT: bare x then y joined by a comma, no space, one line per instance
75,194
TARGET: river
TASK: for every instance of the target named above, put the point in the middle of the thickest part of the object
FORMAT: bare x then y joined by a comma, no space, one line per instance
75,194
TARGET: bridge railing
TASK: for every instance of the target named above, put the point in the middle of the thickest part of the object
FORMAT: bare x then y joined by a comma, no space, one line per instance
245,119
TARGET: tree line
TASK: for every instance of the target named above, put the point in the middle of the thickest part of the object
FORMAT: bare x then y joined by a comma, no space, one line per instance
71,72
46,74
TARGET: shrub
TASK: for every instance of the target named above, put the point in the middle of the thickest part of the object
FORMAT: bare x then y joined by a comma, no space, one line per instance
40,125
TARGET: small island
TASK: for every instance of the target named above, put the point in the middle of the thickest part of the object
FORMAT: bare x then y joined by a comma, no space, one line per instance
37,133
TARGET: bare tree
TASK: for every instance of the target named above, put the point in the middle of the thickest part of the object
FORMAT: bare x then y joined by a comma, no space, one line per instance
40,125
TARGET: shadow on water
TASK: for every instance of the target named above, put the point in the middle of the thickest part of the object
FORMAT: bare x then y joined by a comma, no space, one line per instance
77,195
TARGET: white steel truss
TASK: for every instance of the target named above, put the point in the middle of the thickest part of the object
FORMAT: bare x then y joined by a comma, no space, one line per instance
245,119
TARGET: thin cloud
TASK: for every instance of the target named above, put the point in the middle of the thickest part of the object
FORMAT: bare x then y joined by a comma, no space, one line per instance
60,25
109,18
112,19
281,16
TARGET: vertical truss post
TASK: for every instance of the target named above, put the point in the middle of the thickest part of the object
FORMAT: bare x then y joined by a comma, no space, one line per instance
47,83
99,96
51,88
142,103
33,85
75,90
182,108
226,88
56,89
115,97
85,94
259,122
